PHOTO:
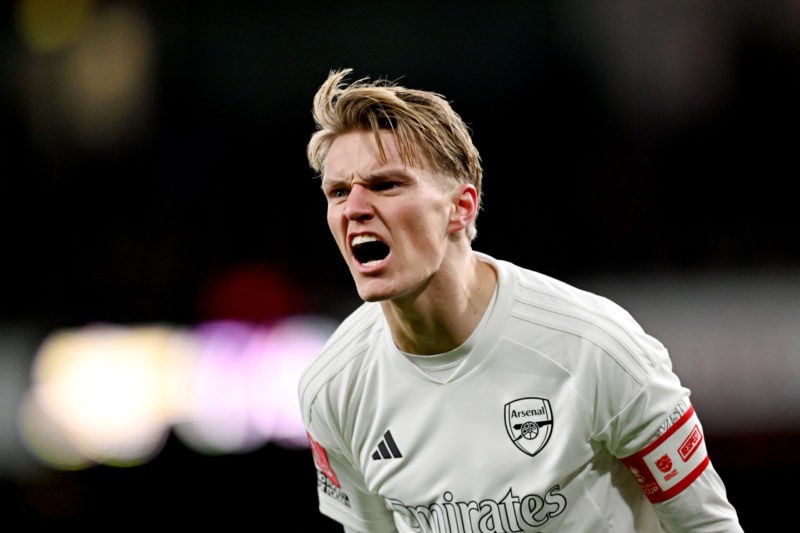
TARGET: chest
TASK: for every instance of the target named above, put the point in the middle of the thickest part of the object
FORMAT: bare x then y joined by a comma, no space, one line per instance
503,429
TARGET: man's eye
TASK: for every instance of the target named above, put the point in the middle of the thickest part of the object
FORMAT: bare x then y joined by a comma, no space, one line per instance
337,193
385,185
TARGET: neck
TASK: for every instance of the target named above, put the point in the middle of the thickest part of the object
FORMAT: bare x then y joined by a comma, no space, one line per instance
442,315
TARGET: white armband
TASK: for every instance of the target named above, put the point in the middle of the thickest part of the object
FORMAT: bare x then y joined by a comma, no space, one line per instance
669,464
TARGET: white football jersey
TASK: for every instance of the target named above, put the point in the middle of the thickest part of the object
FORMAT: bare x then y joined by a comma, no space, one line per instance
524,435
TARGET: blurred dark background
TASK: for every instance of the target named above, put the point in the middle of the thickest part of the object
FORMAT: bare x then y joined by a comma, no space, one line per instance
151,150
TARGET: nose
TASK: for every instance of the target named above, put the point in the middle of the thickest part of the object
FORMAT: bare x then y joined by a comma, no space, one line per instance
358,206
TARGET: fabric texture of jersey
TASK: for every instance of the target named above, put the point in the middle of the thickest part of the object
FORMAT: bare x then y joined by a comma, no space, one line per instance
525,435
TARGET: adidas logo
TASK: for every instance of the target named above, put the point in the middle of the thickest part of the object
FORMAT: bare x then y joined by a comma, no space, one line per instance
387,448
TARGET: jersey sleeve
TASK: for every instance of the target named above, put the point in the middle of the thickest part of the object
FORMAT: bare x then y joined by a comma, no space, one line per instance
343,495
671,464
675,473
657,434
702,507
324,394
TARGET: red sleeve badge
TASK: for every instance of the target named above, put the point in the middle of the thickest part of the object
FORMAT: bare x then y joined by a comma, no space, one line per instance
321,461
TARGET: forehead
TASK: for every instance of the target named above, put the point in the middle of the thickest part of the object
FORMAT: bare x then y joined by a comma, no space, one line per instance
357,152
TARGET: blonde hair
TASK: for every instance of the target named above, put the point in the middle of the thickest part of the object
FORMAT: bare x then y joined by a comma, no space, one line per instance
425,126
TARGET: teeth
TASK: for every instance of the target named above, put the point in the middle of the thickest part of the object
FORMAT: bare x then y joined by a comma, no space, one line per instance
361,239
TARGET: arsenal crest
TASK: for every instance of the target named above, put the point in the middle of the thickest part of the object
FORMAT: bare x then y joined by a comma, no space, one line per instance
529,423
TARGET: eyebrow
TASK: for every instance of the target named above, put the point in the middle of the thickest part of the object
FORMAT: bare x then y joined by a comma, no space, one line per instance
327,182
381,174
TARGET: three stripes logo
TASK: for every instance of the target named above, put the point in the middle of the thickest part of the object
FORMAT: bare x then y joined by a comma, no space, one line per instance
387,448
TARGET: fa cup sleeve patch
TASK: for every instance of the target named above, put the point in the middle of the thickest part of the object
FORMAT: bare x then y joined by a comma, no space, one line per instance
669,464
321,461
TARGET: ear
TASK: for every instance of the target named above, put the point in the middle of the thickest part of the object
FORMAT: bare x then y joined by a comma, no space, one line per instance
464,207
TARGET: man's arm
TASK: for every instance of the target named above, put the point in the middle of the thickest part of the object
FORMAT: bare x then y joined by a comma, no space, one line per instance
676,475
703,507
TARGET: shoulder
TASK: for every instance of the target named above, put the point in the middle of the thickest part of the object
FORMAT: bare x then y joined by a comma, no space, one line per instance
539,293
580,318
342,352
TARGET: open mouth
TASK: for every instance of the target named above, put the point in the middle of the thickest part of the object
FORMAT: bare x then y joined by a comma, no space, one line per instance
367,249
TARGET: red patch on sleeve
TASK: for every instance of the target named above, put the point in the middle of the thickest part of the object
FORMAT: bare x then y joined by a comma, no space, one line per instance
321,460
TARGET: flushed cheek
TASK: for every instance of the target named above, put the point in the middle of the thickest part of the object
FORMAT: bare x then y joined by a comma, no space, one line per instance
339,235
424,231
333,218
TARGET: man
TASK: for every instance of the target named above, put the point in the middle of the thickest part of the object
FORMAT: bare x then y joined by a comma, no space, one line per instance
468,394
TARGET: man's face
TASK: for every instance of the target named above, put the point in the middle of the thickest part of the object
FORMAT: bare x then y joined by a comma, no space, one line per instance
389,221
